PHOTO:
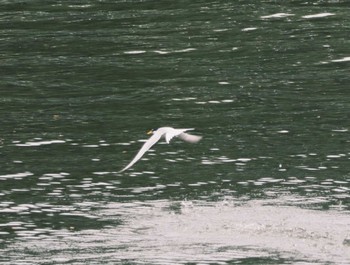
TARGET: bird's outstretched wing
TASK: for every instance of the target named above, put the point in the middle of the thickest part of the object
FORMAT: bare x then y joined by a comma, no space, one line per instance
190,138
146,146
170,134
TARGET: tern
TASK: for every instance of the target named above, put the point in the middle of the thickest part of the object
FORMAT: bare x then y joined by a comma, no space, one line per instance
166,132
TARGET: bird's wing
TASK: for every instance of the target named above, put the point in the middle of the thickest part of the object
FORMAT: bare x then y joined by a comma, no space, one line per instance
174,132
146,146
190,138
170,135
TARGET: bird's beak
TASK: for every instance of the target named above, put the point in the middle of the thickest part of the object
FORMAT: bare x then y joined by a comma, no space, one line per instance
150,132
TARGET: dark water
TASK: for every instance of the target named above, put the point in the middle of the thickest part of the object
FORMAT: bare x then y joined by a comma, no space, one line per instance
264,82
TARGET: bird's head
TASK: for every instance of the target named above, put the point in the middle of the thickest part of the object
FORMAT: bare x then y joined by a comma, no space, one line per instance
150,131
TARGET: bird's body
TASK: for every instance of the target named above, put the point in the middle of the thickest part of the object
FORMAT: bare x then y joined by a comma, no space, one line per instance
164,132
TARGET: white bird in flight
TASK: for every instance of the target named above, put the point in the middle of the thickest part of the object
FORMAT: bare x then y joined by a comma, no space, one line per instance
166,132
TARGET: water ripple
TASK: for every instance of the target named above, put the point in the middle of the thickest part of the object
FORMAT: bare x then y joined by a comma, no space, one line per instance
39,143
16,176
319,15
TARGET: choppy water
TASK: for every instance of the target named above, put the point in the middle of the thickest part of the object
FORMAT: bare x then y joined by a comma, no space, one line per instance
264,83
